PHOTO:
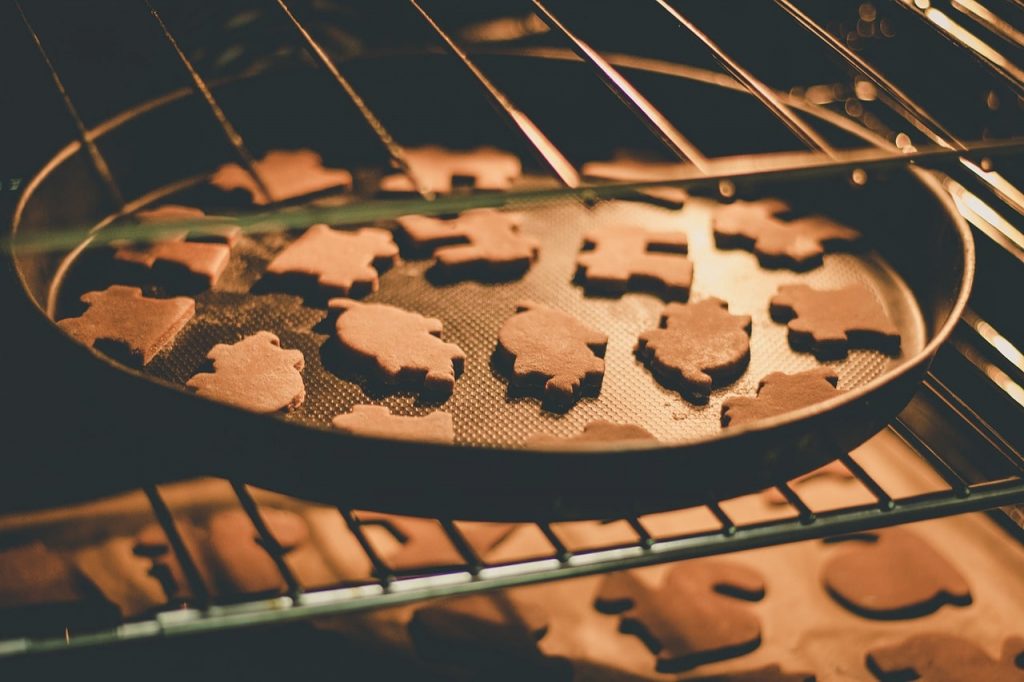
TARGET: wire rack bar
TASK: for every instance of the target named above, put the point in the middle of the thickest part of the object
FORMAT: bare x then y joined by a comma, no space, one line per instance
99,163
990,20
381,570
634,100
397,153
955,481
562,553
188,565
885,501
462,546
230,131
548,153
728,525
267,538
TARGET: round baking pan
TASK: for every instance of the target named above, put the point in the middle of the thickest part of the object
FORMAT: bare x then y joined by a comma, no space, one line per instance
89,425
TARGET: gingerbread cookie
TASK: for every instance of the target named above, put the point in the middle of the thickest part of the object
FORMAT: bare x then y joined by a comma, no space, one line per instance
425,545
940,657
437,167
699,346
345,263
240,555
493,635
481,244
254,374
402,346
120,322
630,168
33,574
594,432
209,228
769,673
551,350
892,573
373,421
830,322
779,393
287,174
618,259
696,616
798,244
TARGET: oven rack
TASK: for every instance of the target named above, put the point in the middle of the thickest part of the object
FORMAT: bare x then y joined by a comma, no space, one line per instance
982,468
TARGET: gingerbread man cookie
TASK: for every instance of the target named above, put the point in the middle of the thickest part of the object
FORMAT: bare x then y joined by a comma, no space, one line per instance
287,174
549,349
254,374
402,346
698,347
374,421
619,259
436,168
341,262
779,393
829,322
122,323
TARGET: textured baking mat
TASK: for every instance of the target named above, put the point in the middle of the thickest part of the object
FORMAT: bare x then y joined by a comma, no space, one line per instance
483,411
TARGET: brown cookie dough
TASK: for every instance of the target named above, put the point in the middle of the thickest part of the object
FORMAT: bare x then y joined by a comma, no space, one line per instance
779,393
489,168
696,616
120,322
482,244
345,263
699,346
254,374
797,244
551,350
892,573
620,259
941,657
374,421
402,346
829,322
288,174
594,432
625,167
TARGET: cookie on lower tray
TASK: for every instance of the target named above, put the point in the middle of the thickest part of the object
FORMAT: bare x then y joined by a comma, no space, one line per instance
374,421
634,168
699,346
121,322
436,168
798,244
829,322
595,432
941,657
779,393
547,349
481,244
287,174
619,259
341,262
255,374
399,346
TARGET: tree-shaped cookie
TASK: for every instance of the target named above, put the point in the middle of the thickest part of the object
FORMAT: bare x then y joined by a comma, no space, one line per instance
400,346
482,244
697,615
374,421
341,262
779,393
436,168
618,259
595,432
287,174
254,374
120,322
699,346
942,657
798,244
829,322
204,255
551,350
892,573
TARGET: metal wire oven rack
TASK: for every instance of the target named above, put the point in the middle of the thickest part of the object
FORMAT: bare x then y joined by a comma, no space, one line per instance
977,456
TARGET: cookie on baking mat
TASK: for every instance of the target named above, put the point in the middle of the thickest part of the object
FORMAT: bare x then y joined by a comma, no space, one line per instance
829,322
619,259
482,244
287,174
341,262
798,244
779,393
375,421
437,168
402,347
255,374
699,346
549,350
595,432
122,323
